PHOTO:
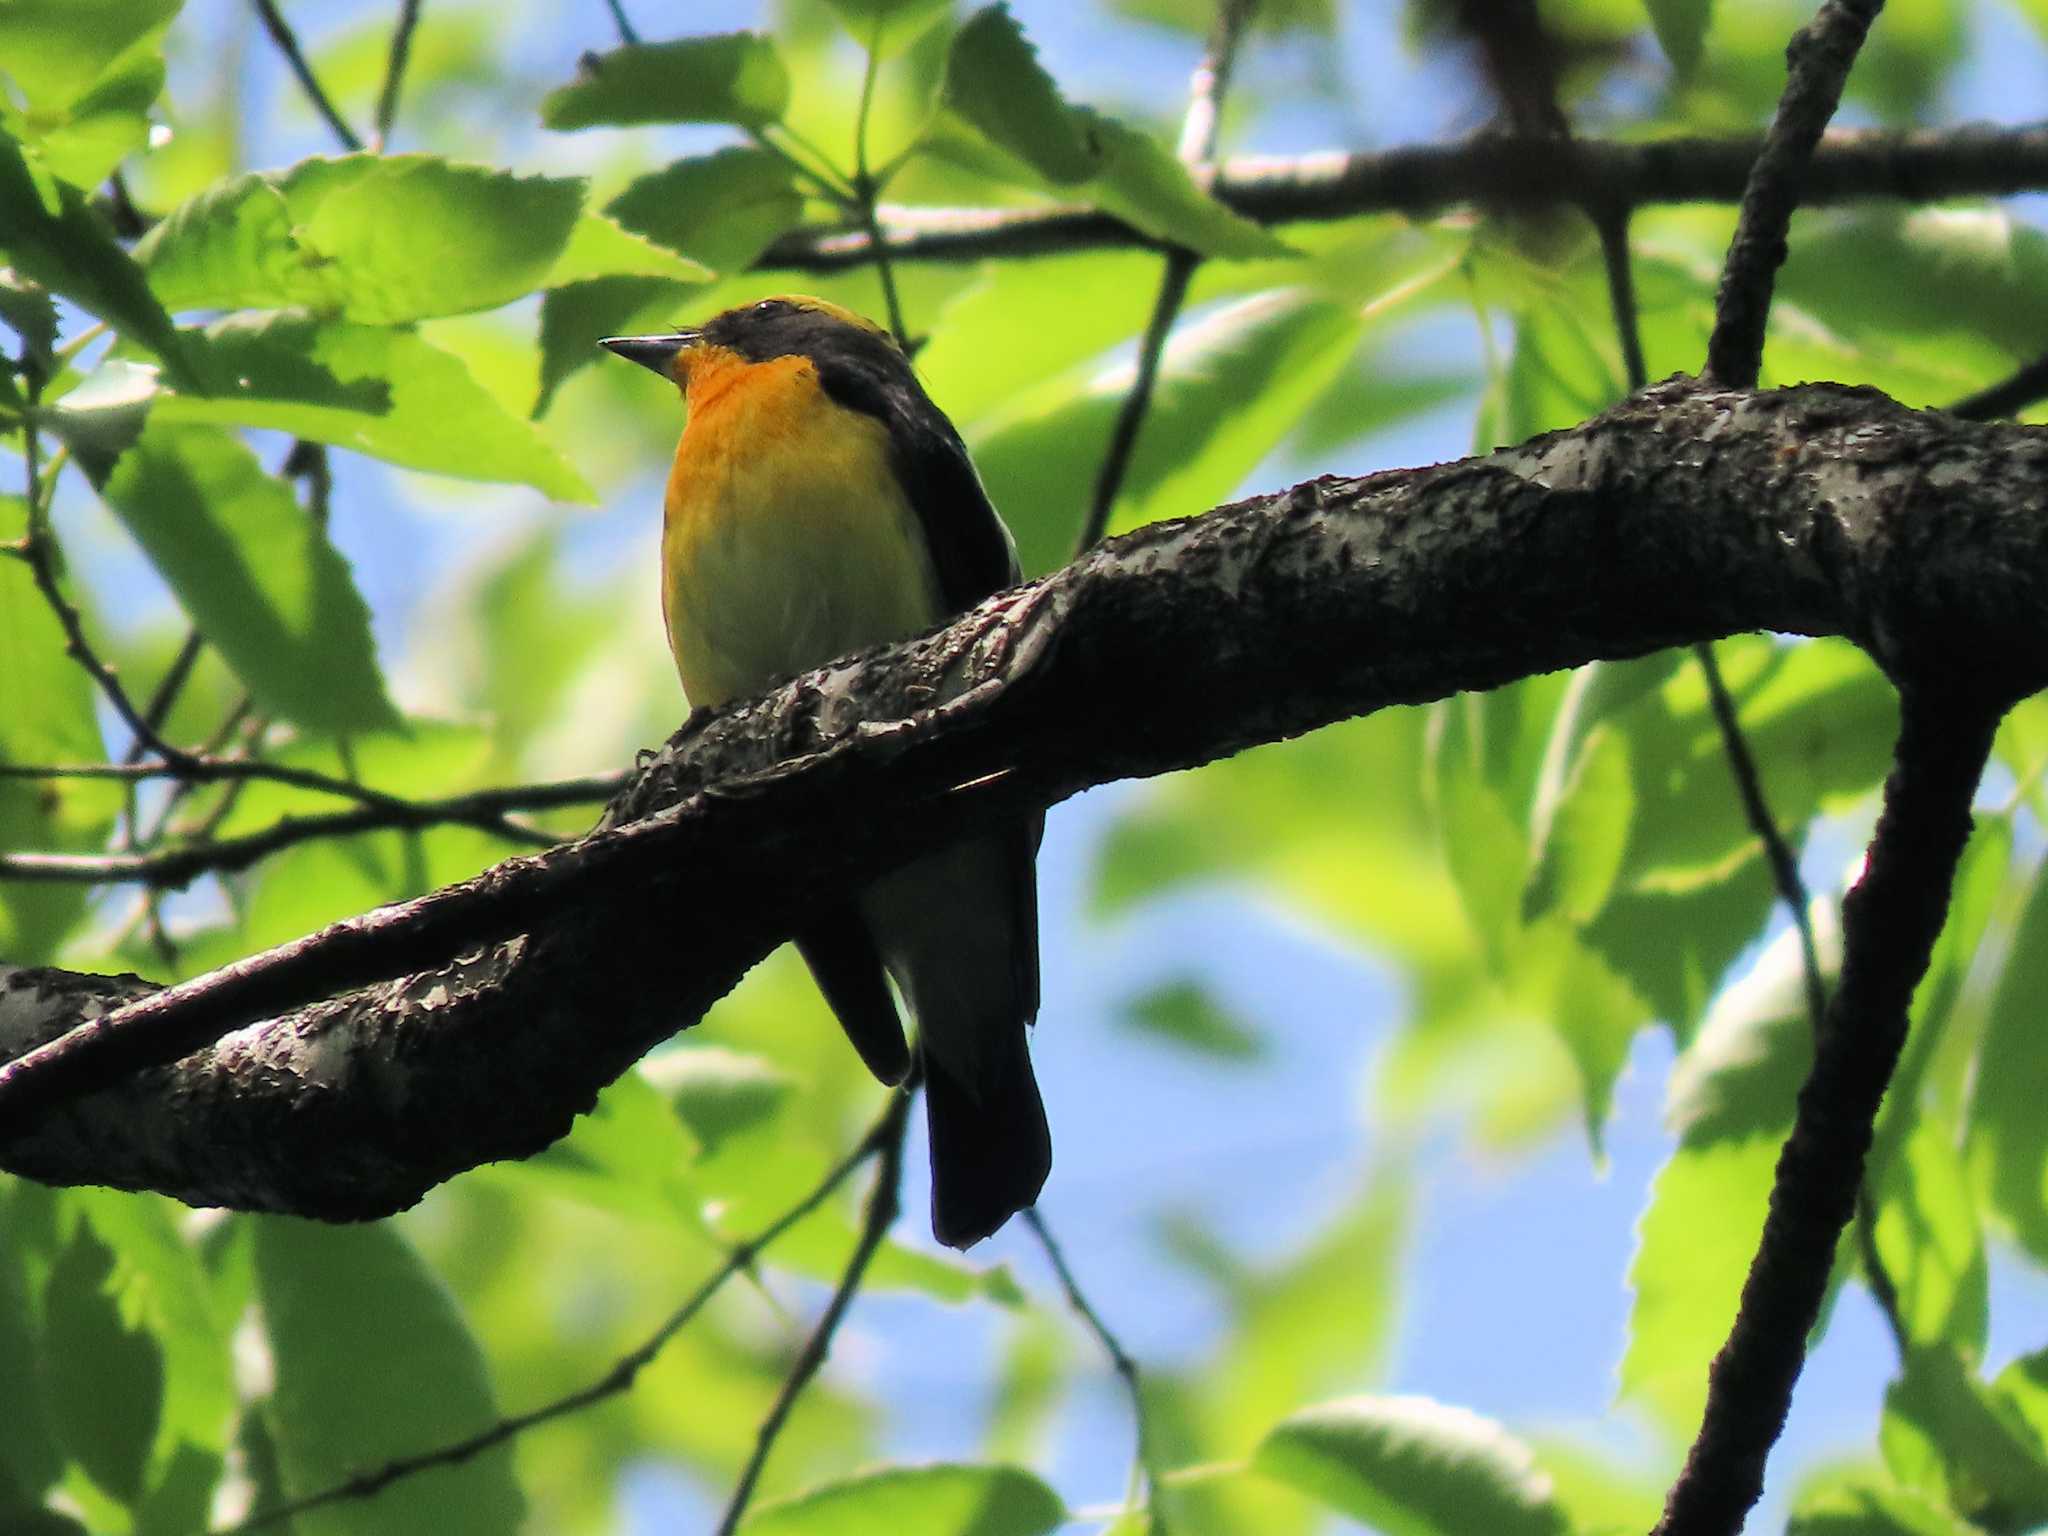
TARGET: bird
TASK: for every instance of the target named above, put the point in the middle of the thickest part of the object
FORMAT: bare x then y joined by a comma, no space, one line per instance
819,504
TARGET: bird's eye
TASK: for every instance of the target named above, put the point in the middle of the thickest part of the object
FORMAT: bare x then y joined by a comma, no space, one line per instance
770,307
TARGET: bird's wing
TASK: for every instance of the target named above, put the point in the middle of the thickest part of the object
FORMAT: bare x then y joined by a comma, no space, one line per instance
970,548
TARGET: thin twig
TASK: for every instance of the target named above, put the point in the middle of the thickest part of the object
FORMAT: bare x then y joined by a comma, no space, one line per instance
2012,394
887,1143
624,1371
1491,170
38,549
160,704
865,192
626,33
394,69
172,868
1818,61
1197,145
1883,1289
1611,224
1890,921
1145,1475
288,44
1756,808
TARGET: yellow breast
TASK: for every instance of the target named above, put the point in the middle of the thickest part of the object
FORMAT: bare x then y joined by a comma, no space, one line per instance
787,540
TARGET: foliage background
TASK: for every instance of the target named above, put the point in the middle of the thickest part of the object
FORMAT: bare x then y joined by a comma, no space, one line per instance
1340,1106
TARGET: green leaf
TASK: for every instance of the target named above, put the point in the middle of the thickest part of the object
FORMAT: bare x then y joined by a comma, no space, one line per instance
600,247
736,77
48,719
1992,1464
54,239
373,1362
255,574
628,1154
30,1457
1185,1013
103,1370
1584,826
1681,31
83,75
573,318
721,209
381,239
2008,1146
1410,1466
887,27
995,84
720,1093
1928,1240
373,389
1866,1506
1731,1101
941,1500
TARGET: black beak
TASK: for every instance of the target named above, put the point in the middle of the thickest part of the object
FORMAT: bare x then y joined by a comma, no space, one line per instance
655,352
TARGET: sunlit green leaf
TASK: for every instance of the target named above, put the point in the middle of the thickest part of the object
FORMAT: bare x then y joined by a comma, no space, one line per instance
1410,1466
379,391
255,573
52,238
940,1500
889,26
1990,1457
2008,1145
737,77
83,73
1928,1240
1870,1507
380,239
374,1361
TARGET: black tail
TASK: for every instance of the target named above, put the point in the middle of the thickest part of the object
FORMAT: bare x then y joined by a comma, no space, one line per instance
991,1151
848,969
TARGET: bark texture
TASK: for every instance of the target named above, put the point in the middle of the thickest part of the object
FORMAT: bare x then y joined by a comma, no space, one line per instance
1685,514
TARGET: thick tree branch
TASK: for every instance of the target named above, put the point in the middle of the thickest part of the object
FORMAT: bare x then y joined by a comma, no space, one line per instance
1685,513
1890,921
1926,165
1818,60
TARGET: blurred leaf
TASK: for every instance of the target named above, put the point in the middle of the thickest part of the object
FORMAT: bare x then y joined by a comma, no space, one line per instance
1596,1496
32,315
629,1154
1731,1101
255,574
376,390
54,239
30,1457
1681,30
1868,1507
1586,825
103,1370
737,77
719,1093
48,719
2008,1146
573,318
1029,1387
941,1500
83,75
888,27
373,1361
1198,18
1185,1013
1928,1241
381,239
1992,1460
1410,1466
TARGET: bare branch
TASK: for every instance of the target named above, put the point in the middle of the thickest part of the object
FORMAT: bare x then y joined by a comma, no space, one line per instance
623,1373
287,42
1890,921
1851,165
394,69
2025,386
1818,62
173,868
1197,144
887,1142
1819,510
1144,1470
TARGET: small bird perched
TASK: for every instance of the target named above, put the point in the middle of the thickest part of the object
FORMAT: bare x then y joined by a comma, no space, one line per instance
819,504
